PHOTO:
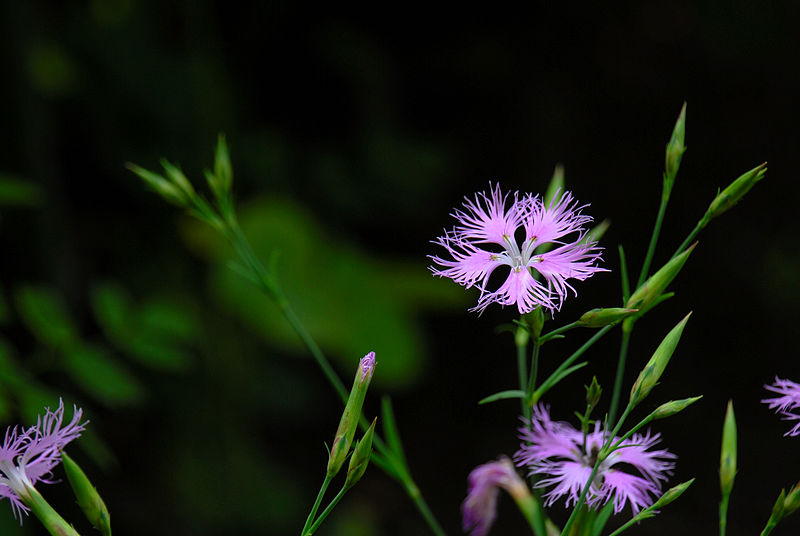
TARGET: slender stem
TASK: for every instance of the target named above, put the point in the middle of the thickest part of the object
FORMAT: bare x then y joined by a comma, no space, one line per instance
723,514
769,528
317,502
326,512
52,521
422,506
547,384
522,370
534,369
688,240
623,273
623,355
662,208
558,331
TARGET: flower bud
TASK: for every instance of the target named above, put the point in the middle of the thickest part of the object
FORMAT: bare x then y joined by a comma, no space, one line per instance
593,392
160,185
671,494
674,153
360,458
727,458
651,289
223,171
734,192
556,186
351,414
177,177
658,362
792,501
597,318
88,499
672,407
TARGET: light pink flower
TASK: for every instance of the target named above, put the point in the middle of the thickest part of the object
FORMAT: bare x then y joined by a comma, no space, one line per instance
498,229
479,509
556,452
28,456
786,403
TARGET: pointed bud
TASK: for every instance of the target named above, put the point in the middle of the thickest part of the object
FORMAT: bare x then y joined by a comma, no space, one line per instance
223,171
674,153
88,499
727,459
651,289
351,414
778,508
593,392
177,177
671,494
597,318
160,185
556,187
535,321
734,192
596,232
792,501
672,407
658,362
360,458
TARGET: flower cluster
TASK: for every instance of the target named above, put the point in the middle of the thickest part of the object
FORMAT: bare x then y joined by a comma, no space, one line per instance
564,457
491,232
786,403
28,456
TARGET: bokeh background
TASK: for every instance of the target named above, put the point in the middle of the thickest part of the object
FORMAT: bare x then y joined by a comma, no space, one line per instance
353,135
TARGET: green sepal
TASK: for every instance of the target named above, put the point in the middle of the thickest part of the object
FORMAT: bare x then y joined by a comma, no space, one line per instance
88,498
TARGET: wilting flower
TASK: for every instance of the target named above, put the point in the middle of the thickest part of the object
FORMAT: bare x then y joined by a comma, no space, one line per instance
479,509
28,456
560,455
786,403
491,232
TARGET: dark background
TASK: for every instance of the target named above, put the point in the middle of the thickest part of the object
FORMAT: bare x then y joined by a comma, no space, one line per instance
353,135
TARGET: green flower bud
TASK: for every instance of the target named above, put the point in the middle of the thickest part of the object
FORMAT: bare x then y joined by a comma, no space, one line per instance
556,186
658,362
651,289
360,458
597,318
778,509
351,414
88,499
674,153
671,494
177,177
792,501
160,185
223,171
593,392
734,192
727,458
535,321
672,407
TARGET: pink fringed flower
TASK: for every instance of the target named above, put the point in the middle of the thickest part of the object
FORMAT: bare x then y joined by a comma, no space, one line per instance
28,456
480,507
556,452
492,232
786,403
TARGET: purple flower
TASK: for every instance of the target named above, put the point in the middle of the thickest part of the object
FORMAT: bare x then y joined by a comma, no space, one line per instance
786,403
28,456
557,452
479,509
493,232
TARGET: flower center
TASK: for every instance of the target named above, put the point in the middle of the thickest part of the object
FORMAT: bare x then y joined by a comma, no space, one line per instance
519,259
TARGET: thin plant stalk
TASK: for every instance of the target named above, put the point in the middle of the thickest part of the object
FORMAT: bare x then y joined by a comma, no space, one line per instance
317,502
623,355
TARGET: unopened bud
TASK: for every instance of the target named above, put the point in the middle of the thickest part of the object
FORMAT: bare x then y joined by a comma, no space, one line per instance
597,318
351,414
672,407
674,153
160,185
360,458
177,177
651,289
727,459
88,499
672,493
223,171
593,392
651,373
734,192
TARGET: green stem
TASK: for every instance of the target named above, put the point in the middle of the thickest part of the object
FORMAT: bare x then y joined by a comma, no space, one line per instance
558,331
769,528
52,521
623,355
651,249
723,514
534,370
317,502
326,512
422,506
522,370
690,238
547,384
623,272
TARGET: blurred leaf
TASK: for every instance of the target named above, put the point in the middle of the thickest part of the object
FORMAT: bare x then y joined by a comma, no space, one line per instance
112,309
19,192
98,374
51,70
45,315
350,303
160,317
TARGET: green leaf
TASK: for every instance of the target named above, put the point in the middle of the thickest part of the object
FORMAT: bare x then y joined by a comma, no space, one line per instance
503,395
390,430
45,315
15,191
102,377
